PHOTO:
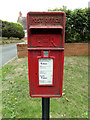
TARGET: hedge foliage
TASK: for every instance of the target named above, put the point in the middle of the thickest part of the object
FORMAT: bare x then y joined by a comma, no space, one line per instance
10,29
77,25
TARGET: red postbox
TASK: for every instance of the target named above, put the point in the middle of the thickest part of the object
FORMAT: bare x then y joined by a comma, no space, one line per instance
46,31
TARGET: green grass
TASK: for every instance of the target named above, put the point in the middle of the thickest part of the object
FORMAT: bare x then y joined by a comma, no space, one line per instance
5,40
11,38
16,102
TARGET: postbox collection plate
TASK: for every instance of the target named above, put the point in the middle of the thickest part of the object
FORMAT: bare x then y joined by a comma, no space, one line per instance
45,53
45,71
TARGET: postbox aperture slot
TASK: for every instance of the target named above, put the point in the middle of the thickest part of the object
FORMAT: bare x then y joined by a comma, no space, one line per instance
45,31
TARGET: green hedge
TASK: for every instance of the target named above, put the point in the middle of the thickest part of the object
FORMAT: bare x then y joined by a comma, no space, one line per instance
10,29
77,26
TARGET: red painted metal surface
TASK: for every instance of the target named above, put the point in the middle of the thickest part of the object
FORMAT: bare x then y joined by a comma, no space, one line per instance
46,32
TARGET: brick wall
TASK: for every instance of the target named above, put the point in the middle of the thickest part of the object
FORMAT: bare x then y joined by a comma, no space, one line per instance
22,50
71,49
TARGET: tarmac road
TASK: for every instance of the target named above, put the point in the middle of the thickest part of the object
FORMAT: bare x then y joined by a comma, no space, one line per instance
7,52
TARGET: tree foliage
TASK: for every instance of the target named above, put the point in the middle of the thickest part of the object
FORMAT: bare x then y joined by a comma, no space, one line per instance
77,26
10,29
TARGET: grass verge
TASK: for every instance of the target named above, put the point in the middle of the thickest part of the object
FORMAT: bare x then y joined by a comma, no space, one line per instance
5,40
16,102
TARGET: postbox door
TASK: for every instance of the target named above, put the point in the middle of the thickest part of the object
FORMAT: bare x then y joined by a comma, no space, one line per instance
38,89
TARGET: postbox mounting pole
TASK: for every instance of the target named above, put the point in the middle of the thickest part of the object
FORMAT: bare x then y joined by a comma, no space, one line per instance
45,108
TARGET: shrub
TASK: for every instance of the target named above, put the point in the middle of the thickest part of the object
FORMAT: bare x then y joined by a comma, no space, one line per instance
10,29
76,27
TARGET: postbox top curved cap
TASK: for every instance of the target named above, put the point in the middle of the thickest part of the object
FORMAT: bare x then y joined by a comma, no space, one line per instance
44,12
45,27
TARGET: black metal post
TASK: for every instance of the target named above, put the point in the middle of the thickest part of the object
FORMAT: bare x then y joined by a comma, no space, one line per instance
45,108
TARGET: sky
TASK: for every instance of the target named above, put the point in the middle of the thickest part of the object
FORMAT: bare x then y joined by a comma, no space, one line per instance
9,9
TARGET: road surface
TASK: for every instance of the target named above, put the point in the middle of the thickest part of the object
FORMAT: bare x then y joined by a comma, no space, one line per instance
7,52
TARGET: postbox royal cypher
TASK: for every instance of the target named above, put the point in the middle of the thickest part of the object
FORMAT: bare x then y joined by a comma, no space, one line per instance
46,32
